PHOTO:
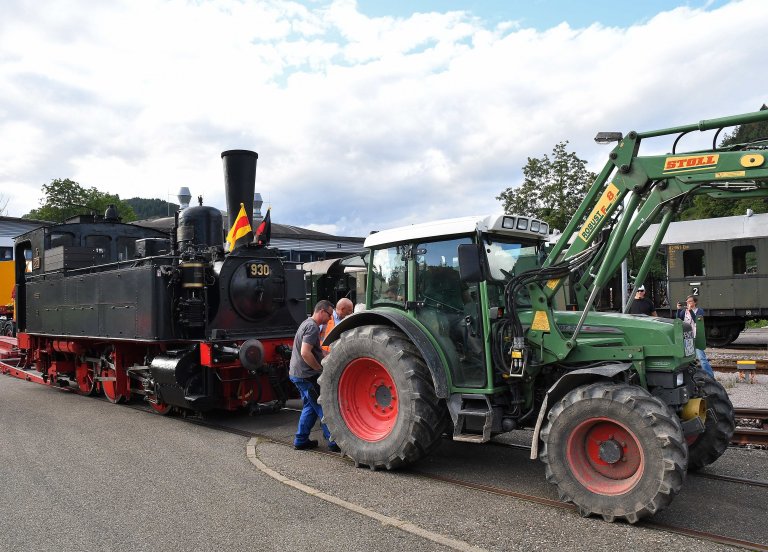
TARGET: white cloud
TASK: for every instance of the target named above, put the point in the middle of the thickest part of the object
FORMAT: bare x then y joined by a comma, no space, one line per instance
360,123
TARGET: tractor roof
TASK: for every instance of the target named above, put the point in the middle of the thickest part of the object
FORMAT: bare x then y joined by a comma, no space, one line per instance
509,225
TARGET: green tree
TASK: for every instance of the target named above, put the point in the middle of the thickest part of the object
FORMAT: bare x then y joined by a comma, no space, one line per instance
66,198
708,207
552,188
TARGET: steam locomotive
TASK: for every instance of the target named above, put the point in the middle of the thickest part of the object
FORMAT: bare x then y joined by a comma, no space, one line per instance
174,319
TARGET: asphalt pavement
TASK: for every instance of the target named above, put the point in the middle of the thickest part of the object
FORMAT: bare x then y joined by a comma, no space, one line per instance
79,474
82,474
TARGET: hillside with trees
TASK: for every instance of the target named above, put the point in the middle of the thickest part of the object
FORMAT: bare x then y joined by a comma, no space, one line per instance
151,208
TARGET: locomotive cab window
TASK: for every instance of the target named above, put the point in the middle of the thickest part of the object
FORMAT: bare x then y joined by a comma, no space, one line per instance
126,248
100,243
61,238
694,263
744,259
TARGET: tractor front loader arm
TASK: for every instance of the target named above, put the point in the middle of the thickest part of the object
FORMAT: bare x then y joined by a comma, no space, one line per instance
630,193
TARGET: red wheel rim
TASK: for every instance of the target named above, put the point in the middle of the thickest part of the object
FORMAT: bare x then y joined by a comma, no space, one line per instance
110,387
605,456
86,381
160,407
368,399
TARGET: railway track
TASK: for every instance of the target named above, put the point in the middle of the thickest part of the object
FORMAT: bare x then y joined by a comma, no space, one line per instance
728,365
751,427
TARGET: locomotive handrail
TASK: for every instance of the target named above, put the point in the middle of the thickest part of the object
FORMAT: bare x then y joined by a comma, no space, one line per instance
99,267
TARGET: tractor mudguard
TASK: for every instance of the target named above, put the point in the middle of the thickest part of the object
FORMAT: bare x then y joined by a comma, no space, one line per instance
569,381
409,328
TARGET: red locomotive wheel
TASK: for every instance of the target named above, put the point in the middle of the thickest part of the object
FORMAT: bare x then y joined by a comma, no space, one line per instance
161,408
605,456
368,399
86,379
110,386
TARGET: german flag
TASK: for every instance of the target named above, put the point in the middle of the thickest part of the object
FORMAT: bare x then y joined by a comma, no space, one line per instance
241,227
264,231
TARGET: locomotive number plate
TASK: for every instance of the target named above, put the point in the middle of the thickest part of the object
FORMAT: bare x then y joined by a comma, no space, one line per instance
257,270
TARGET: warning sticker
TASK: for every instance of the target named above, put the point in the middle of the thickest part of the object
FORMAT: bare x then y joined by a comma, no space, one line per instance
540,322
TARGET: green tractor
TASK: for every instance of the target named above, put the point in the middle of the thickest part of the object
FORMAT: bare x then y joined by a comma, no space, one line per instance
461,336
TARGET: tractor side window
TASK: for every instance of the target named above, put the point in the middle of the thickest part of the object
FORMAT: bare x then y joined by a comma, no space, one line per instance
694,263
437,274
450,310
744,259
388,270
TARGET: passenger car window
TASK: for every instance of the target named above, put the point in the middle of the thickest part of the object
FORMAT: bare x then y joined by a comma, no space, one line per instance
744,259
694,263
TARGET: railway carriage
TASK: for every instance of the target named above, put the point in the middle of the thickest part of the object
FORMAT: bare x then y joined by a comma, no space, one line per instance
722,261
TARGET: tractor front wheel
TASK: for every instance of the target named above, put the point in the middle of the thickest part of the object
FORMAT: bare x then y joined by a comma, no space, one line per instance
705,448
378,399
615,451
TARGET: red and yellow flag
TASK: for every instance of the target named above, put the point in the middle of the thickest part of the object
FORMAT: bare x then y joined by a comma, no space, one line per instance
241,227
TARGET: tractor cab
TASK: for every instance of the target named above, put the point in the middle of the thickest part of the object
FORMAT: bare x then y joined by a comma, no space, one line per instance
450,277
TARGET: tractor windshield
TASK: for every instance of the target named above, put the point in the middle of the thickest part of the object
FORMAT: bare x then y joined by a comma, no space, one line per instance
510,257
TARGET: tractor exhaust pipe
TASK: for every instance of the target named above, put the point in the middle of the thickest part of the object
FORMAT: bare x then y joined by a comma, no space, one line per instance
239,184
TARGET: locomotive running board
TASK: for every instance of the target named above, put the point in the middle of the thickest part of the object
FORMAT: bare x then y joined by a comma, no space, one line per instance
9,366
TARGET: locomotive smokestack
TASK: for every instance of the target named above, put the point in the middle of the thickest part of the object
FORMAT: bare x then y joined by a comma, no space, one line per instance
239,184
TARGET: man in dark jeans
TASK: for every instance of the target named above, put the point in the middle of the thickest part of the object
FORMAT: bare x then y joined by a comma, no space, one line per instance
304,370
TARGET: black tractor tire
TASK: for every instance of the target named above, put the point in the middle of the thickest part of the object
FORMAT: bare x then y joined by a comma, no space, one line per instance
719,426
379,400
614,450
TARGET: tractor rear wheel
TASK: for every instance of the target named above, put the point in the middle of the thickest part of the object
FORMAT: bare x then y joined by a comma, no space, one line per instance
615,451
378,399
719,426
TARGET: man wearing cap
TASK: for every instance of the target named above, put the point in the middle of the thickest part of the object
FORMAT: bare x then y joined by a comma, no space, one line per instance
641,305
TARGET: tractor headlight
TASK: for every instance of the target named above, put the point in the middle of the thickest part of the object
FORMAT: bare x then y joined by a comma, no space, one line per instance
679,379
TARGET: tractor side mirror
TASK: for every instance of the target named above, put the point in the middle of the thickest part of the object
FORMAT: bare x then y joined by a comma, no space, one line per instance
470,263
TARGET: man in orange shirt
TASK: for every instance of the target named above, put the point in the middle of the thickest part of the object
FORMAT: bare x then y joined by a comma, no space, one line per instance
344,308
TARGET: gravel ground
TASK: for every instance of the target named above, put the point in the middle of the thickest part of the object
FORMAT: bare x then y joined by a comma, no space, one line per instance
744,394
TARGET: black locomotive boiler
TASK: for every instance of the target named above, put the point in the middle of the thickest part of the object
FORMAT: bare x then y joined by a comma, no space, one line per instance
170,318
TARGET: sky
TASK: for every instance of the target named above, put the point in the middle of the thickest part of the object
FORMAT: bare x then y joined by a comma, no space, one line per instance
365,114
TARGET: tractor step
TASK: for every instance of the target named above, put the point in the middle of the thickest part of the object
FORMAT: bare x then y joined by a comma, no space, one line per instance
470,438
477,408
